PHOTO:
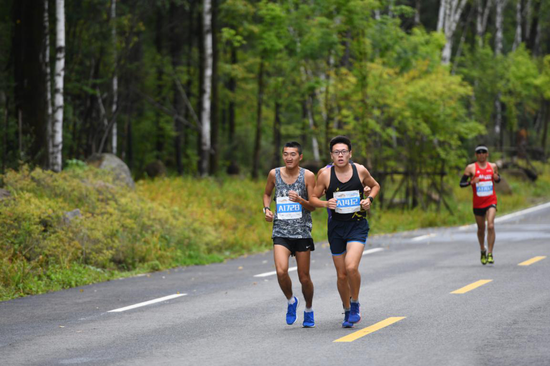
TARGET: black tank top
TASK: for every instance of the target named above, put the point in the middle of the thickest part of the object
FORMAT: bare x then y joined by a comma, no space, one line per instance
354,184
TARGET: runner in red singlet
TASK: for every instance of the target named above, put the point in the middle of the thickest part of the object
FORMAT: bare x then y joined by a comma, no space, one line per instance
483,175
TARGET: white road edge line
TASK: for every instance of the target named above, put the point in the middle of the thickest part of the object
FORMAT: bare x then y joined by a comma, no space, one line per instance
160,299
374,250
512,215
274,272
422,237
526,211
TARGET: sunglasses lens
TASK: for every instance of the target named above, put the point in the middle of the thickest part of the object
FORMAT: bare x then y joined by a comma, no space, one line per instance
481,151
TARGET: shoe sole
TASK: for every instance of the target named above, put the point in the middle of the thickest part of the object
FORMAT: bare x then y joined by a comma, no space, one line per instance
308,326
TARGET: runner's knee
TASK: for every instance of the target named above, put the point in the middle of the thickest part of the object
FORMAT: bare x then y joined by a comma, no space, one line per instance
352,270
304,277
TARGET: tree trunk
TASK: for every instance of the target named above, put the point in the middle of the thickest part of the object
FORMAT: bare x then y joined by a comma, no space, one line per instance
534,27
57,128
232,86
48,95
417,21
160,36
500,4
449,17
314,142
207,86
114,105
30,89
277,135
177,40
482,18
214,119
545,128
258,137
499,17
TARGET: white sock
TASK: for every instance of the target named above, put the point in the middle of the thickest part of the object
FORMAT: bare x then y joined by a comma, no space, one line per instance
291,301
309,310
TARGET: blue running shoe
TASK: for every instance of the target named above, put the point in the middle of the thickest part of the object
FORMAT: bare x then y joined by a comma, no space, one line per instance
346,323
309,321
355,313
291,312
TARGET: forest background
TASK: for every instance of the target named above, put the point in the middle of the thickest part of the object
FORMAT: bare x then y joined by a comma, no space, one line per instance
213,88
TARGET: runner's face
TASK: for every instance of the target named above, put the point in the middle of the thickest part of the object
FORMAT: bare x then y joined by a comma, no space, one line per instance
482,156
340,155
292,157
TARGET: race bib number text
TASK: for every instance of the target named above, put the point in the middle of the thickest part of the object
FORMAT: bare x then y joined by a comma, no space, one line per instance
484,189
347,202
288,210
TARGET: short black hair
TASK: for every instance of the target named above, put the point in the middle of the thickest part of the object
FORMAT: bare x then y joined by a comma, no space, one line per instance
294,144
340,140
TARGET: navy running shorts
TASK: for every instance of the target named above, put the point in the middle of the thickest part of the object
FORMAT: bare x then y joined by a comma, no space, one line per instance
483,211
340,233
295,245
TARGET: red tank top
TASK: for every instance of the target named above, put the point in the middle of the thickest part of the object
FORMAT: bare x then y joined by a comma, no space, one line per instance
484,190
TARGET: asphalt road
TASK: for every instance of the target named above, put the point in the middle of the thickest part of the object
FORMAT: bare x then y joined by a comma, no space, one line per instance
225,315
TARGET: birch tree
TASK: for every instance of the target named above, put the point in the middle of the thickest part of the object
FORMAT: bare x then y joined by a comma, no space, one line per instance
114,106
48,75
57,127
499,4
449,16
207,88
482,18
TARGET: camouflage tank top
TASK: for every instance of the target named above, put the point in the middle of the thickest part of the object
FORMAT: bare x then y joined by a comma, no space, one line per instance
291,219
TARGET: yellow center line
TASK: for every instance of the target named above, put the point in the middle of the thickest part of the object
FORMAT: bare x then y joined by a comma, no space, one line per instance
373,328
470,287
531,261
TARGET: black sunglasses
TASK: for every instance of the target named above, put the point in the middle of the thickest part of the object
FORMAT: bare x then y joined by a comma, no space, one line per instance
481,152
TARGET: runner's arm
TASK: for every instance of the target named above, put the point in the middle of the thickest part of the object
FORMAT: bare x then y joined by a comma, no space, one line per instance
368,181
269,186
319,190
310,186
496,175
464,180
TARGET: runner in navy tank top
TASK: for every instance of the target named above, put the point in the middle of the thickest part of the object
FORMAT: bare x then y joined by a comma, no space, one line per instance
343,184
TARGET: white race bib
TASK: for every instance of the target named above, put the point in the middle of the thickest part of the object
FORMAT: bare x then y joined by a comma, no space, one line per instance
288,210
347,202
484,189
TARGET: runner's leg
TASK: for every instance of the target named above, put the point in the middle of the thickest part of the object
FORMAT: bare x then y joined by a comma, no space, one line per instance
342,278
491,213
352,260
480,221
281,255
303,262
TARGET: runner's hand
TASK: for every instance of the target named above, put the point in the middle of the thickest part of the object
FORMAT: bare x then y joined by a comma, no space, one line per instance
293,196
268,215
365,204
474,180
332,203
366,191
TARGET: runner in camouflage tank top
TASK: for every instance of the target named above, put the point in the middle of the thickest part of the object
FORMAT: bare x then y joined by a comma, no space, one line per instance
295,221
292,227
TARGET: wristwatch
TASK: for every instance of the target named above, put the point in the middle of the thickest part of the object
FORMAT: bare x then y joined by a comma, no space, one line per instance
370,198
266,208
